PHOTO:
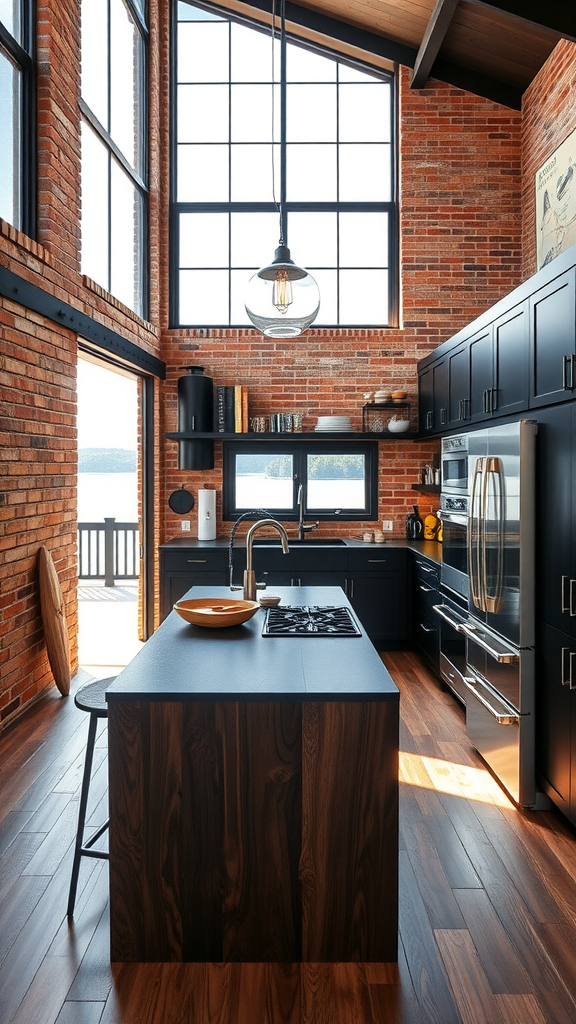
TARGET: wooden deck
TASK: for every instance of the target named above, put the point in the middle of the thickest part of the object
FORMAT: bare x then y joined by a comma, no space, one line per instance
487,899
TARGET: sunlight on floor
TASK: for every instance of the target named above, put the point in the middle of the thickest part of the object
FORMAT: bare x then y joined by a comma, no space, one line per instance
107,628
455,779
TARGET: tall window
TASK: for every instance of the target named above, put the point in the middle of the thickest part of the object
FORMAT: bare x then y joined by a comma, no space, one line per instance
340,180
114,189
17,114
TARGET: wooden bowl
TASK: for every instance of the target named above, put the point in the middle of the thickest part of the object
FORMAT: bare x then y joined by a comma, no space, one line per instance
216,612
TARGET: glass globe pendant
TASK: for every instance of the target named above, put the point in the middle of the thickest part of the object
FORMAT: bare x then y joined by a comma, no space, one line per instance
282,299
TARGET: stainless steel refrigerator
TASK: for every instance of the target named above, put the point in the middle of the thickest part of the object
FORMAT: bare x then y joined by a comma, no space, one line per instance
499,627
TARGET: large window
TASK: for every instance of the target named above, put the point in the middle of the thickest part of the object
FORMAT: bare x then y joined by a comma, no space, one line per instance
114,191
17,115
340,181
332,481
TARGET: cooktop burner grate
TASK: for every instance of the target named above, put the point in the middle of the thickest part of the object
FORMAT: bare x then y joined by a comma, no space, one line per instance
310,620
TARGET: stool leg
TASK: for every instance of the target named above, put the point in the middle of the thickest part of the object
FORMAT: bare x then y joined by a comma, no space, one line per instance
82,812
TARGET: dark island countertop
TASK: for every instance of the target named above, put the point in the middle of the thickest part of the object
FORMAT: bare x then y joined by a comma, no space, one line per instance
182,662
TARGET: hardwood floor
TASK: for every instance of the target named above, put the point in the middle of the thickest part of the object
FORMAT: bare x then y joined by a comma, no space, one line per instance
487,898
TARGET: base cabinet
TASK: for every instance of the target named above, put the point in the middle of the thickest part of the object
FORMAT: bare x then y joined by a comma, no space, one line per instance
374,580
556,718
425,631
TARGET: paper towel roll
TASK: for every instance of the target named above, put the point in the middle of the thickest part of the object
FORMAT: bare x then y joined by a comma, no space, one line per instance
206,514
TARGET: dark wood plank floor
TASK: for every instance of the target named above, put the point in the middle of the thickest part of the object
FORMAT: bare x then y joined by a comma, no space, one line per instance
488,899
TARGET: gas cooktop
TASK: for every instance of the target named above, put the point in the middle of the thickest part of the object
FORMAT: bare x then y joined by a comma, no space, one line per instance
310,620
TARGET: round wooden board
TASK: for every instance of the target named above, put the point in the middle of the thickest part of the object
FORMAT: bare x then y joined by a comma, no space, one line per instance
54,621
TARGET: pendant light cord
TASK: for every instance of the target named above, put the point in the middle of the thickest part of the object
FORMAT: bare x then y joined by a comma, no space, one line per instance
274,199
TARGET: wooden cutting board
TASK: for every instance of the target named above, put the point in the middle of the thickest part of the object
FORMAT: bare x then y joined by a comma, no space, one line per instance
54,621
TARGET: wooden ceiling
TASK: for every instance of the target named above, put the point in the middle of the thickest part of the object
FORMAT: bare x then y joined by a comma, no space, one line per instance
493,49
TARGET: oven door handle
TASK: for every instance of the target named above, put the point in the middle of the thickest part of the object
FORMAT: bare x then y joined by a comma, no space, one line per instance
502,719
504,656
456,624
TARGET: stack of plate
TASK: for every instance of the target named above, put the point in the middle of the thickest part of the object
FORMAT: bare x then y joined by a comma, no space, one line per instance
327,423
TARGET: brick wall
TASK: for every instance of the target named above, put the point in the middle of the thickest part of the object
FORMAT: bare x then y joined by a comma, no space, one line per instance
38,373
460,239
549,117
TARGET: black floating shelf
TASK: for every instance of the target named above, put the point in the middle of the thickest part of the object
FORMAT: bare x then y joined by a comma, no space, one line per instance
318,435
427,488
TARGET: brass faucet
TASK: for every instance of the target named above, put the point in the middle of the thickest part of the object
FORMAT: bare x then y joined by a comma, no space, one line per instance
250,585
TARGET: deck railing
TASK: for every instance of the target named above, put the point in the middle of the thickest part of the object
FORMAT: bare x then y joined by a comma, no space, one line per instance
108,551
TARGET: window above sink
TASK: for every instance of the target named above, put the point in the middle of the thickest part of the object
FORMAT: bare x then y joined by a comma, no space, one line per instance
339,480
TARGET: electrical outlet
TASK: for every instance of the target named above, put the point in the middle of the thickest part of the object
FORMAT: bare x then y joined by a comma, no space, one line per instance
185,524
387,525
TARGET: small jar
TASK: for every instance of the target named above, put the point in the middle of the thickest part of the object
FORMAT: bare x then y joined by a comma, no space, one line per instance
368,537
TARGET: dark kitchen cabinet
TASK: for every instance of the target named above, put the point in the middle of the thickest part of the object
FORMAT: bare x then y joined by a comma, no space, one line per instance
377,589
459,387
556,718
553,341
426,594
556,497
556,606
433,397
499,363
183,568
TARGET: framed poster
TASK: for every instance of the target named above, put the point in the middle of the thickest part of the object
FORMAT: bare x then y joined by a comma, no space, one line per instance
556,203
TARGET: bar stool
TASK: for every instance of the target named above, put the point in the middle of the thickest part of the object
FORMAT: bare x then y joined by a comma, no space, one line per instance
90,698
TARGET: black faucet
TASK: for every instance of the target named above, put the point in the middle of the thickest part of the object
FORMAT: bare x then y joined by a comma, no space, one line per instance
302,526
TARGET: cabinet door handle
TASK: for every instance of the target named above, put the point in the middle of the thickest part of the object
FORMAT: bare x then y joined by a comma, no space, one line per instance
350,589
429,420
485,401
563,606
566,677
443,416
572,361
565,385
571,608
493,399
296,582
460,409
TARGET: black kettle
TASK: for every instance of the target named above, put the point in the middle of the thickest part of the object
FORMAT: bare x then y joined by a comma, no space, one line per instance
414,525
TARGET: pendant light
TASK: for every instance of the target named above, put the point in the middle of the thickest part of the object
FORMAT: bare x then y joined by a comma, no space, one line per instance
282,298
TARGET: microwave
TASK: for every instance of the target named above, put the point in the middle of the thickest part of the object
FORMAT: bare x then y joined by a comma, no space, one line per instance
455,464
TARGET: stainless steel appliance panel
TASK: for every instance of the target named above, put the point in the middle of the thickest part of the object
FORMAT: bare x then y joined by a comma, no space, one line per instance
454,569
455,464
501,529
452,645
504,737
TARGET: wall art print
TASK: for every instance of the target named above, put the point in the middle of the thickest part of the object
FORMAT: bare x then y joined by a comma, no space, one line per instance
556,203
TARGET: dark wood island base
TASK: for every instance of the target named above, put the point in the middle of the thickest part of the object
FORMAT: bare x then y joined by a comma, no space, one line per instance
256,829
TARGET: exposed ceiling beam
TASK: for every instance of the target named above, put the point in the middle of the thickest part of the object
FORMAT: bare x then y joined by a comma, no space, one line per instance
433,37
480,85
556,15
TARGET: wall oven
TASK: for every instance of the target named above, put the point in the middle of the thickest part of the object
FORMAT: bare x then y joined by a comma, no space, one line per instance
455,464
454,570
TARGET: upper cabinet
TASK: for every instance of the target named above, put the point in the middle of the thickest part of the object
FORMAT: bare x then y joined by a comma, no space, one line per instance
553,341
521,354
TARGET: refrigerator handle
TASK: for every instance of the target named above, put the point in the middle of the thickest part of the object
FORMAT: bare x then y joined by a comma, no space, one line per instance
473,538
493,473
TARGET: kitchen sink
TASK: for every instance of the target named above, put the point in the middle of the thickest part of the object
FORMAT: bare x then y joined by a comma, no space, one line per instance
312,542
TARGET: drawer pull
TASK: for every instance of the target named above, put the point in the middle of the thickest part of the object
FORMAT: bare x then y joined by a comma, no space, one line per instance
427,629
198,561
426,590
381,560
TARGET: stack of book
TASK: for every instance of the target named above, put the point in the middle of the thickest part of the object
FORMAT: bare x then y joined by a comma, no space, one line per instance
231,409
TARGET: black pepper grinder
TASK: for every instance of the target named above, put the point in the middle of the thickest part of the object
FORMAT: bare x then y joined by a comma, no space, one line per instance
414,525
195,413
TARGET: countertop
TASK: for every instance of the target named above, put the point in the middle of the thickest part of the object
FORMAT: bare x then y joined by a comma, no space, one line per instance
188,663
428,548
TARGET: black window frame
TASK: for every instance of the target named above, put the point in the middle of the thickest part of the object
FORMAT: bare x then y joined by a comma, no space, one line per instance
391,207
140,183
23,55
300,449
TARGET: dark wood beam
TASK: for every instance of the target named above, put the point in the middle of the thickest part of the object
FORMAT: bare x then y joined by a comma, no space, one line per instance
556,16
433,37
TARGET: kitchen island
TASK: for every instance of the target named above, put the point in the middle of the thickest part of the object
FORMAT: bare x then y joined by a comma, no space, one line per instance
253,787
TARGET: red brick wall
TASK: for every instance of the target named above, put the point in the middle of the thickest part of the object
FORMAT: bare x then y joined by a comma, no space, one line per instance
460,238
38,372
549,117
